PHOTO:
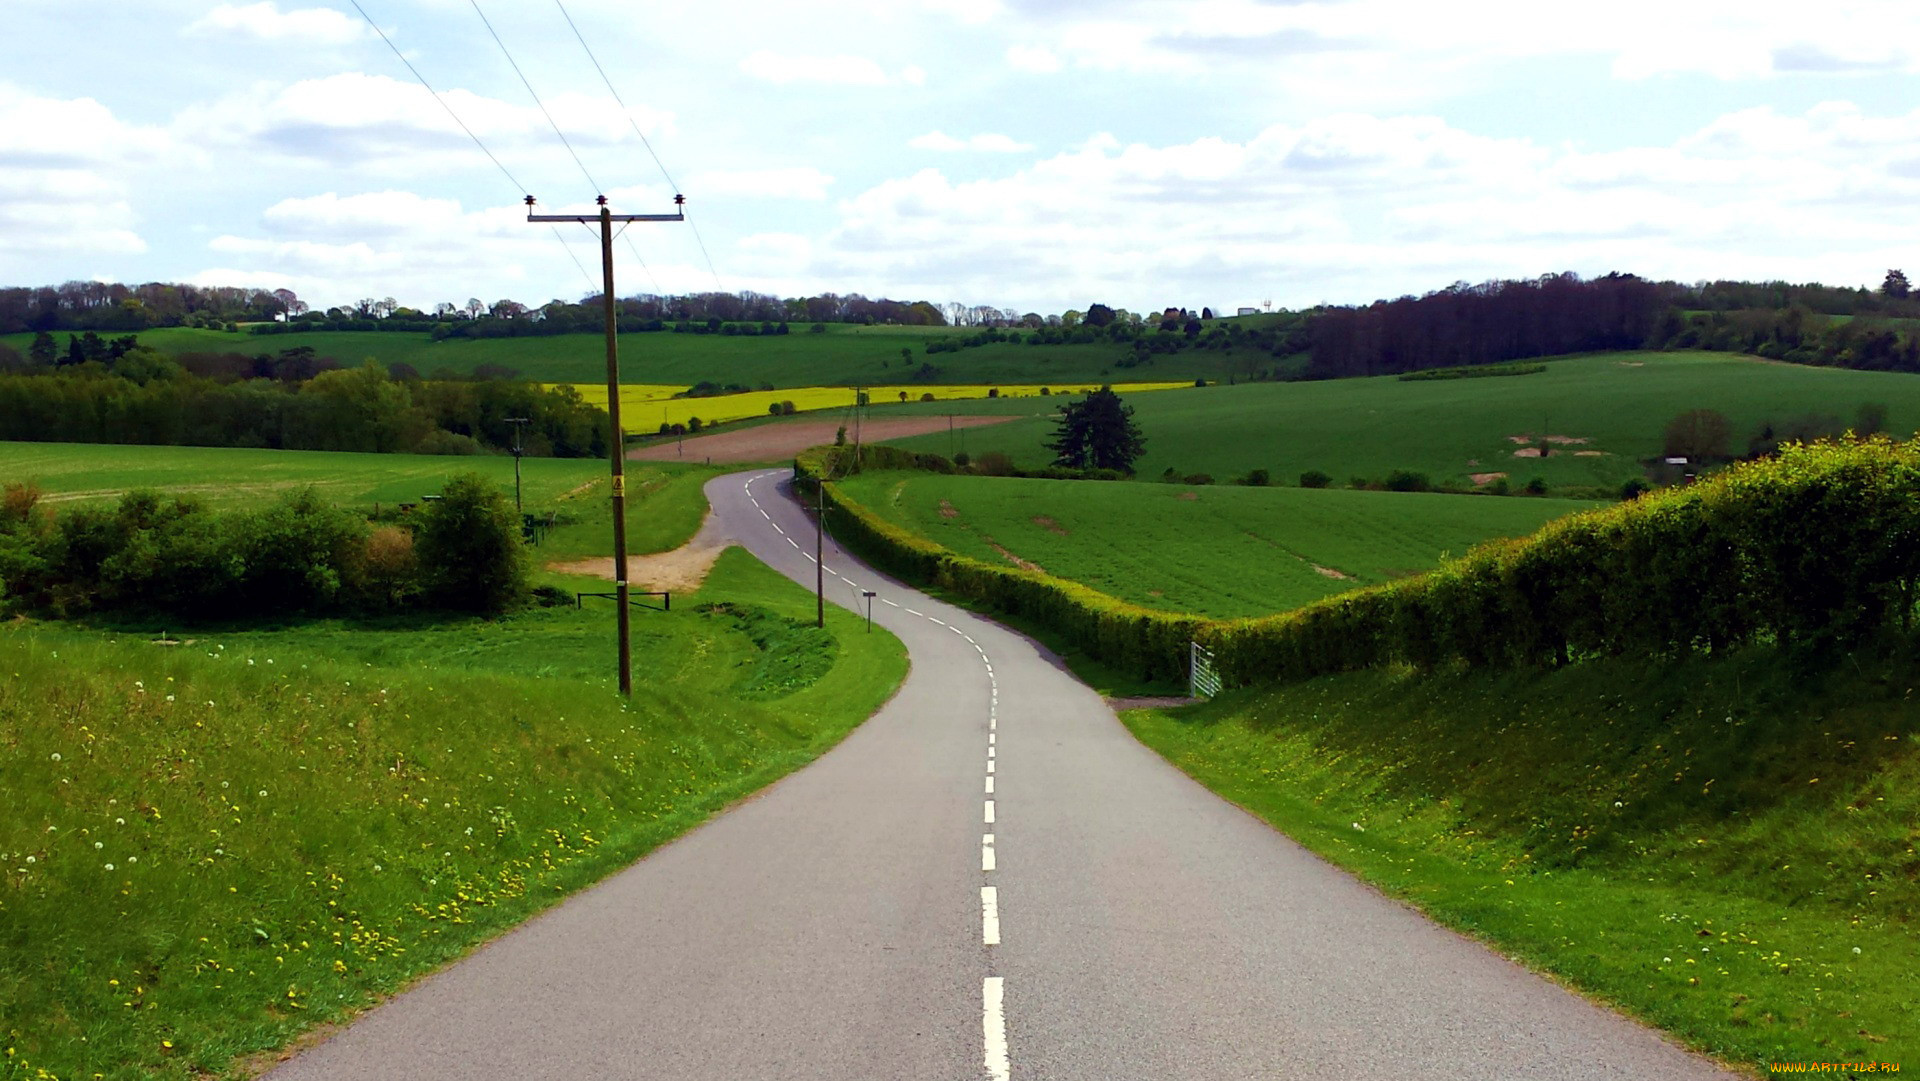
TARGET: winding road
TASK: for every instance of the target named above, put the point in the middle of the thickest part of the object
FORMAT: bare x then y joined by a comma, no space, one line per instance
989,879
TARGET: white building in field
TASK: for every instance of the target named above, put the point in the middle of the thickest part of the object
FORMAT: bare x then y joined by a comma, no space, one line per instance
1248,311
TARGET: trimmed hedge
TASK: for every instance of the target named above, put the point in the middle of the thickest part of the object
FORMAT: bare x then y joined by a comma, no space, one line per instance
1817,547
1124,635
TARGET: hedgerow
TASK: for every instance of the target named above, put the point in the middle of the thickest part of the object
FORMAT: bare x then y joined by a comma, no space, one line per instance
1819,547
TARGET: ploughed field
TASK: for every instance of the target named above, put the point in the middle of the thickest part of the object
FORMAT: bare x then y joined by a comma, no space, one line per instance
1610,409
1225,552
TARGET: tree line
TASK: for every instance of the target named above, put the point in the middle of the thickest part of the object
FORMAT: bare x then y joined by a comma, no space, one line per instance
1497,321
126,393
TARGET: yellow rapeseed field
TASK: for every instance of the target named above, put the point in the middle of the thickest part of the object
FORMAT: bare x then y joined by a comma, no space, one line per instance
646,406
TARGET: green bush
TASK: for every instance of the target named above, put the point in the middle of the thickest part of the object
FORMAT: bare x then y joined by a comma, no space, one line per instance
1536,486
1406,480
1197,478
1313,478
1256,478
469,549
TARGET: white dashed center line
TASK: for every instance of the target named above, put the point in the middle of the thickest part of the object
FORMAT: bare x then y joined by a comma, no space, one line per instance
992,989
994,1021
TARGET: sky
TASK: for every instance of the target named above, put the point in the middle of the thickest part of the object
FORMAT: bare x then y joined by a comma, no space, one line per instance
1039,156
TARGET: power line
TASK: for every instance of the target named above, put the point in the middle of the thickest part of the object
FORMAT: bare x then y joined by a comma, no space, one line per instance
575,258
504,171
517,186
644,141
643,266
616,95
536,98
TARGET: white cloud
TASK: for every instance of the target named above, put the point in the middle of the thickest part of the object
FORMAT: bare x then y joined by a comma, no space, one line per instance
66,171
1354,206
988,143
265,21
839,70
1033,58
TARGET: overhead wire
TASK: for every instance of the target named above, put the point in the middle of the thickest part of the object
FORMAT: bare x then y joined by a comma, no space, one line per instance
435,94
521,188
644,141
504,51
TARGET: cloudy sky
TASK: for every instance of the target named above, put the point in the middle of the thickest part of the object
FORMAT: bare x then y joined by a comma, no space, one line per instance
1020,153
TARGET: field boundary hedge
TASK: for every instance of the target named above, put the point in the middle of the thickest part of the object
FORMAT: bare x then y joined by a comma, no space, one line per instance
1124,635
1819,546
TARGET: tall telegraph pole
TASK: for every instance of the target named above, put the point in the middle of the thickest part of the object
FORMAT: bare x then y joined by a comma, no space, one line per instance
606,218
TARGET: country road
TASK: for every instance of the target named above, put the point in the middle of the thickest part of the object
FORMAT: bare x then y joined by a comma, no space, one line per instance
989,879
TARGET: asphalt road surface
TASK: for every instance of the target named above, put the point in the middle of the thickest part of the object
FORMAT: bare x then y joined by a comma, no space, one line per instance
989,879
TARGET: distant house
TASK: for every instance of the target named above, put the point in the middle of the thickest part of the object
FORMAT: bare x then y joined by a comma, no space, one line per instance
1248,311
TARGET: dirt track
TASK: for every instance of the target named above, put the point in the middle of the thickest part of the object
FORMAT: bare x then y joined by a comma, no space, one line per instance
772,442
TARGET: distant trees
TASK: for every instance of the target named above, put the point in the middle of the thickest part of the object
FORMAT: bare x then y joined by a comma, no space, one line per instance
1468,324
120,392
1698,435
1098,315
1896,285
1097,432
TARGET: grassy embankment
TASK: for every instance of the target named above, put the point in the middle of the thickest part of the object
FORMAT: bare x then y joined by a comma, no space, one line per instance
665,506
844,354
1225,552
210,847
1723,848
1450,429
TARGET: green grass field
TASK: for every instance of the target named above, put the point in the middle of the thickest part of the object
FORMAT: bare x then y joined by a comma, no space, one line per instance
1724,848
665,503
1225,552
209,847
844,354
1619,402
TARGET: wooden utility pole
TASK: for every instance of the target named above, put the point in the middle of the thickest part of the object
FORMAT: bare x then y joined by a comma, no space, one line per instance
618,456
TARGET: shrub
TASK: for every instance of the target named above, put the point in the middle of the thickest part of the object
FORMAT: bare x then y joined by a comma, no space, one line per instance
1358,484
1406,480
1500,486
1197,478
441,441
961,459
1698,435
773,408
469,549
1536,486
927,397
787,408
1313,478
1257,478
994,464
1169,476
392,572
1634,488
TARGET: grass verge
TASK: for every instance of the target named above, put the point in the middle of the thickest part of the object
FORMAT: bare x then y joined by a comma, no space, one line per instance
210,847
1725,849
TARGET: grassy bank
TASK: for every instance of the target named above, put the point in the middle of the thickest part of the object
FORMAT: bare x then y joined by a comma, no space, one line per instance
1225,552
1723,848
211,846
1619,403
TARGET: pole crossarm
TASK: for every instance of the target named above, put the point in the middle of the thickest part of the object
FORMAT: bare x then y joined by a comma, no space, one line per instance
595,219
